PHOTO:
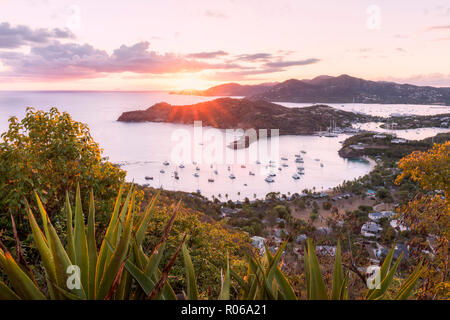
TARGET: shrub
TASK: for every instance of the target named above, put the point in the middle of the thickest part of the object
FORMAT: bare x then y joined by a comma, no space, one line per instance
50,152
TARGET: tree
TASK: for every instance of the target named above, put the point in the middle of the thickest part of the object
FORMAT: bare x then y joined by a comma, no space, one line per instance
49,153
428,215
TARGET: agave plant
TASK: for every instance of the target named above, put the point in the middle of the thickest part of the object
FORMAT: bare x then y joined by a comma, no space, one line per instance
316,289
102,272
120,268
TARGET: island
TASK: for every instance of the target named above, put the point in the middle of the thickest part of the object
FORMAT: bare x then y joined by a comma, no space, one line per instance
229,113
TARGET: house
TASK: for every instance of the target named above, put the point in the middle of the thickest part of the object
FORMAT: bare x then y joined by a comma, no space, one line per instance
375,216
398,225
226,212
397,141
326,250
371,229
280,232
301,238
398,250
258,243
371,193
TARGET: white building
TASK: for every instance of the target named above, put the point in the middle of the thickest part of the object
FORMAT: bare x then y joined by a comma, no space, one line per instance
371,229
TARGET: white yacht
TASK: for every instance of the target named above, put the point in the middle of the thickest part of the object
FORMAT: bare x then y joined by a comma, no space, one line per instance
269,179
148,178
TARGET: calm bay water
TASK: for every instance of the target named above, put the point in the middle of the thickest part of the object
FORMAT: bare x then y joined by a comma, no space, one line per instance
141,148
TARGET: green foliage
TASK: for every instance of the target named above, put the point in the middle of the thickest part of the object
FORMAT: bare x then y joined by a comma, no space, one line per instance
50,152
121,269
384,194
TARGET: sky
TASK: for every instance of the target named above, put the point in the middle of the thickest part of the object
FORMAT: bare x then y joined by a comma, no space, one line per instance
195,44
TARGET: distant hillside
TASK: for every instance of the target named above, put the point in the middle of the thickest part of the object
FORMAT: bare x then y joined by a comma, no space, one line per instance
228,89
346,89
328,89
227,113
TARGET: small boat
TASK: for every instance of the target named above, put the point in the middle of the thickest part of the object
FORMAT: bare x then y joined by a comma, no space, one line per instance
194,163
229,168
210,180
299,160
272,174
303,151
300,168
284,158
148,178
295,176
166,163
316,159
285,165
330,135
245,184
269,179
176,177
181,166
321,165
251,173
145,185
243,167
216,172
232,176
161,171
197,168
258,162
301,172
198,191
298,156
196,175
279,169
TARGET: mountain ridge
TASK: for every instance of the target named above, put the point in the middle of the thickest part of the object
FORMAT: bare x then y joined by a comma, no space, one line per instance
329,89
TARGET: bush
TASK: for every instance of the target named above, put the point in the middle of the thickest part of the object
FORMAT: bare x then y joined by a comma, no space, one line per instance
326,205
50,152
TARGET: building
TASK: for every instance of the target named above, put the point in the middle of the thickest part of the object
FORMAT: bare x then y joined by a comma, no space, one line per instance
397,141
326,250
398,225
375,216
258,243
371,229
301,238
